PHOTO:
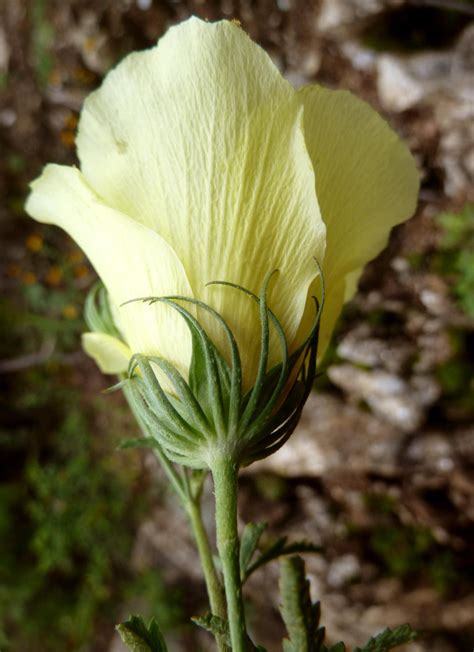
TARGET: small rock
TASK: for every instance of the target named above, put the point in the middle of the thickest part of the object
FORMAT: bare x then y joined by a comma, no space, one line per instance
398,90
444,82
398,402
331,436
432,451
463,442
343,570
336,16
361,348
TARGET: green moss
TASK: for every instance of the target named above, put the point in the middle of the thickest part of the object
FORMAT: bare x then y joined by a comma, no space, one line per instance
410,553
456,255
42,36
70,503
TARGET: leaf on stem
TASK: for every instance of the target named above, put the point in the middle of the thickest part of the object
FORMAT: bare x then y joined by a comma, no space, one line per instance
389,639
277,549
248,545
338,647
215,625
139,637
300,615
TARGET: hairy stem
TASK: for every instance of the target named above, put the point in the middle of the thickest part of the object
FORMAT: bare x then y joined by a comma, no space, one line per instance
224,472
214,588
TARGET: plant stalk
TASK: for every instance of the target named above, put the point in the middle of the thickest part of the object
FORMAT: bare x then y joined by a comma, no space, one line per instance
224,473
214,588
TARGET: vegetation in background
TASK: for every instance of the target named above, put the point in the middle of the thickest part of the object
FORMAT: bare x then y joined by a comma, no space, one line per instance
70,502
66,523
411,28
409,552
456,255
42,36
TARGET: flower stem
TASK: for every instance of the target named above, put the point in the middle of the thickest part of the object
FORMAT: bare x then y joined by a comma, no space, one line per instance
214,588
224,472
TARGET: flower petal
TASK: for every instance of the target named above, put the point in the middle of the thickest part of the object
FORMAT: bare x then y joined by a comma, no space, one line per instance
132,261
110,354
366,182
200,139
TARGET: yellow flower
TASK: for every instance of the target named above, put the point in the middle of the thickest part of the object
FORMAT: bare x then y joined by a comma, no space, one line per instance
199,162
70,312
34,242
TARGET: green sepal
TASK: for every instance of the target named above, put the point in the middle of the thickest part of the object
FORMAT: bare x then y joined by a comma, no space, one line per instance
179,446
268,385
300,615
209,374
97,312
268,431
185,402
115,388
158,399
248,545
277,549
138,442
255,392
389,639
230,377
201,416
139,637
211,390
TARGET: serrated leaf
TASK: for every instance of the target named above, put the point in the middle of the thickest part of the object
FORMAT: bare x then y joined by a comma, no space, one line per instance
248,544
338,647
277,549
300,615
220,629
215,625
389,639
139,637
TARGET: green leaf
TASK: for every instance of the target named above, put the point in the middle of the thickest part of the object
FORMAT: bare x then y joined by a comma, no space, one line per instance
248,545
389,639
220,629
215,625
300,615
338,647
279,548
140,638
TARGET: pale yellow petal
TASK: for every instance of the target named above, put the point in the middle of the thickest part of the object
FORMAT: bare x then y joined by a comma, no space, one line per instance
366,182
201,139
132,261
341,292
110,354
366,178
351,282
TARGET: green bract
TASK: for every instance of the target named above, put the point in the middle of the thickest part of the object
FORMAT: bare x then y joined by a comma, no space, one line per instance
210,413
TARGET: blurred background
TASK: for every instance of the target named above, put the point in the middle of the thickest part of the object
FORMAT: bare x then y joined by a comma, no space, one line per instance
380,470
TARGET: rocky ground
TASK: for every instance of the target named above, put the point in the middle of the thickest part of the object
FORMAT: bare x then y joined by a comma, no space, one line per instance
380,469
